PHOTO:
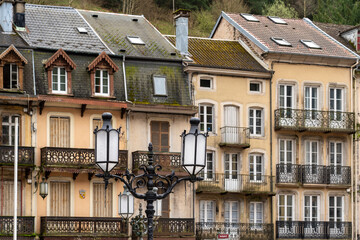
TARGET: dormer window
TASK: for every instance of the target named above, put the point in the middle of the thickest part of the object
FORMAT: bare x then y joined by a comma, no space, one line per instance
277,20
249,17
102,71
160,86
310,44
59,67
135,40
281,41
11,69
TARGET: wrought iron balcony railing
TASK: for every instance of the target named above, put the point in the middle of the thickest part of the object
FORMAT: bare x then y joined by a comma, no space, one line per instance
258,231
168,160
314,120
83,227
75,158
313,230
235,137
313,174
174,227
242,183
25,226
25,155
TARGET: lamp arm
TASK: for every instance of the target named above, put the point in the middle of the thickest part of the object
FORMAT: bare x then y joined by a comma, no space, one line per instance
173,184
129,182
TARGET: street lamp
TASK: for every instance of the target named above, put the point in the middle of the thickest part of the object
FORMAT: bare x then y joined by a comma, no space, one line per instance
126,204
43,188
193,154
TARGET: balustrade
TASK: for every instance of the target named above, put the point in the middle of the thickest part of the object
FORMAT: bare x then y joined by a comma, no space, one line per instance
25,155
168,160
179,227
235,136
25,226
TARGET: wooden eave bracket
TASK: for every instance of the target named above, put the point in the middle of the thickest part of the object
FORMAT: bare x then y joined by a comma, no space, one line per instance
47,174
27,173
123,111
90,175
29,108
75,176
41,106
83,108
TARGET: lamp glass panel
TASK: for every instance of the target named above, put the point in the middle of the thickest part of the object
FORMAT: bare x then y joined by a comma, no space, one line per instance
131,204
189,150
200,152
124,204
114,146
158,207
101,147
43,188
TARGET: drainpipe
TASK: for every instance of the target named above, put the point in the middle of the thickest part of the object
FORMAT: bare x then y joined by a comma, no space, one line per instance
33,72
271,147
124,74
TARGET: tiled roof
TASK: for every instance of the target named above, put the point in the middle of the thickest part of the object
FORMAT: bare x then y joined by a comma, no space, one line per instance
220,54
13,38
54,27
114,28
295,30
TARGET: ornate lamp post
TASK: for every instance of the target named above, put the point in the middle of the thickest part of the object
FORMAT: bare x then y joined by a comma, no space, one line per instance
193,154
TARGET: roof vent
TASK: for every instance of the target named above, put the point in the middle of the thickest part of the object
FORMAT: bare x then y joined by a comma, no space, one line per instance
249,17
82,30
94,15
278,20
135,19
173,54
122,50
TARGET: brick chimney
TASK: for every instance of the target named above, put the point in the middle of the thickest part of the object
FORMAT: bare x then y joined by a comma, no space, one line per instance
181,17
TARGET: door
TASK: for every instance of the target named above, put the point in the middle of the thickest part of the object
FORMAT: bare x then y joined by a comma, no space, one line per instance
232,177
313,117
59,132
287,169
286,205
102,200
336,216
335,154
256,215
59,199
207,215
311,216
232,219
231,125
336,108
286,104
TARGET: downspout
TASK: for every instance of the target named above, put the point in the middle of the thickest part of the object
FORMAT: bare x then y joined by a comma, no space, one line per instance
33,66
271,147
124,74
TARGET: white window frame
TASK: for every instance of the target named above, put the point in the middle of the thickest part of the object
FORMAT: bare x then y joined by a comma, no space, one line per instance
311,206
285,96
310,44
281,42
308,100
206,206
309,152
102,93
254,222
229,215
10,124
336,153
334,99
160,87
254,125
284,142
207,79
255,82
286,207
205,114
58,83
11,71
335,217
205,172
253,164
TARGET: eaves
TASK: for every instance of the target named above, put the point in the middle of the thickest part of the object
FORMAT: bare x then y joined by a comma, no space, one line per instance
163,109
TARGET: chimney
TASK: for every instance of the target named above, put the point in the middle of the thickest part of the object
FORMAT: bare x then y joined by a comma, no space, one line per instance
6,15
181,17
19,13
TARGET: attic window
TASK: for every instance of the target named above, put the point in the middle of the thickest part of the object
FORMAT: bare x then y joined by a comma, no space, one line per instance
310,44
160,86
249,17
136,40
277,20
82,30
281,41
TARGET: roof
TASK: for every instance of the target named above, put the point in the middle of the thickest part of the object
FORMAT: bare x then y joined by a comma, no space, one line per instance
293,32
6,39
220,54
55,27
115,28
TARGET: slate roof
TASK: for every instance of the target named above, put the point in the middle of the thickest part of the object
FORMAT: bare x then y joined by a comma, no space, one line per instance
13,38
114,28
220,54
295,30
55,27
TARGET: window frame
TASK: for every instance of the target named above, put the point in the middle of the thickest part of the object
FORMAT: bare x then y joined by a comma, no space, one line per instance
101,84
281,42
253,164
336,197
286,207
160,132
157,78
211,80
231,219
205,217
59,80
11,66
205,172
255,82
204,123
286,150
311,206
254,220
10,125
254,126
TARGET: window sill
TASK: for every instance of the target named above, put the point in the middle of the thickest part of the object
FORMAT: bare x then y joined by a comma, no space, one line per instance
14,90
62,94
103,97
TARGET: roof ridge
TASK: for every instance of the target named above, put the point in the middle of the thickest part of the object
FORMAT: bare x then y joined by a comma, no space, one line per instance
48,6
112,13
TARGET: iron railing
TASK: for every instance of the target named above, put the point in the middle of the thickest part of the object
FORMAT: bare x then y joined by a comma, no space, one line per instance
235,136
168,160
288,173
75,157
25,155
258,231
25,226
243,183
314,120
83,226
313,230
174,227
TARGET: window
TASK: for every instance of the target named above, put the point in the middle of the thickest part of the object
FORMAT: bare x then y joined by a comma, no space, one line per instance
208,171
311,208
206,118
311,102
59,198
255,87
286,207
231,169
59,80
249,17
256,122
231,212
286,100
7,198
10,76
310,44
82,30
336,103
281,41
256,167
206,83
311,152
336,204
135,40
102,200
8,129
207,211
160,136
277,20
160,86
336,161
256,215
101,82
59,132
286,151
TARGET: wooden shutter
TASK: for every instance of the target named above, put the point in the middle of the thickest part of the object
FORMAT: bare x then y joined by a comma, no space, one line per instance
102,201
7,198
60,132
160,136
59,199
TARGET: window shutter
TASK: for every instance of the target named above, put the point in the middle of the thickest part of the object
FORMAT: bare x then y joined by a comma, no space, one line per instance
60,132
60,199
160,136
102,201
7,198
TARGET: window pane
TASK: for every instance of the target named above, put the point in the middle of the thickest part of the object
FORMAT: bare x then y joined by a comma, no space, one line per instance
159,85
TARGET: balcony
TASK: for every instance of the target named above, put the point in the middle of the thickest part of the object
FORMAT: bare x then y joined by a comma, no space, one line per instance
75,158
235,137
313,174
238,183
174,228
168,160
82,227
25,227
260,231
25,156
311,120
313,230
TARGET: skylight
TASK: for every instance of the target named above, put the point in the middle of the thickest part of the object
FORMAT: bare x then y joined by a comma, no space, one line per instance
277,20
82,30
281,41
135,40
310,44
249,17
